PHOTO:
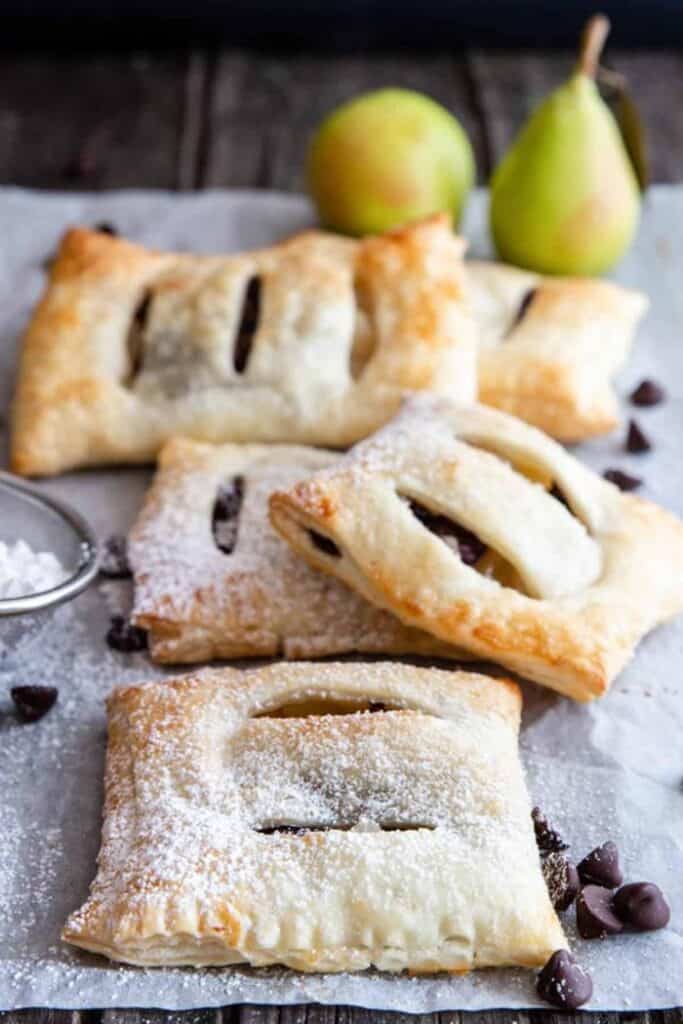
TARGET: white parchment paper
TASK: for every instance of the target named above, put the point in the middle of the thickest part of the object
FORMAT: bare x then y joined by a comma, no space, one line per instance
613,769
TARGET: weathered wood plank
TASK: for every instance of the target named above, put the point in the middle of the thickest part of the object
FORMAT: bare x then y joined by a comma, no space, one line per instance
509,85
264,109
91,122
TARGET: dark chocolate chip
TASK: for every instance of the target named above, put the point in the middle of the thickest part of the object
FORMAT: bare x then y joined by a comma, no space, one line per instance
548,839
601,867
595,917
642,905
32,702
105,228
470,547
114,560
623,481
563,982
562,880
122,635
636,441
324,544
648,392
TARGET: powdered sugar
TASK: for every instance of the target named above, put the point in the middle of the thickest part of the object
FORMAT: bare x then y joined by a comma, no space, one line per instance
24,571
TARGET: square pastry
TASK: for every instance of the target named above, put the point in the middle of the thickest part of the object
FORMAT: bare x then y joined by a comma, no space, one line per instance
214,580
492,537
548,347
313,341
327,817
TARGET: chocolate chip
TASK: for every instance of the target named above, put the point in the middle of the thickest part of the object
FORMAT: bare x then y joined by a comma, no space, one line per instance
595,917
562,880
32,702
642,905
114,560
548,839
324,544
469,546
622,480
636,441
122,635
105,228
563,982
601,867
648,392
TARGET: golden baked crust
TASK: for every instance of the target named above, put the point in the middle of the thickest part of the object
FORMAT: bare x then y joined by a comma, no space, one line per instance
563,593
258,598
129,347
548,347
417,850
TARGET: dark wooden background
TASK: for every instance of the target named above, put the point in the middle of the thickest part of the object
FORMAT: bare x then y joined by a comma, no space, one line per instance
237,119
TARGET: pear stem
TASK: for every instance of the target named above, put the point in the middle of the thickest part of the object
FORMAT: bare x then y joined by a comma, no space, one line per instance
592,41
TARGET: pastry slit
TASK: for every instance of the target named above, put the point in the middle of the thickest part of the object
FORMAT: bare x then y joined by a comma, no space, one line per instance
134,340
324,544
225,514
382,826
470,548
249,320
364,336
522,311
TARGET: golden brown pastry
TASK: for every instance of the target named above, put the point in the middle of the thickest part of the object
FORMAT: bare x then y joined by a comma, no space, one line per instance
467,523
325,816
313,341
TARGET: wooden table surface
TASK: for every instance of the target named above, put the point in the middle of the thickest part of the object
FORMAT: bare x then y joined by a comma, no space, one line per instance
236,119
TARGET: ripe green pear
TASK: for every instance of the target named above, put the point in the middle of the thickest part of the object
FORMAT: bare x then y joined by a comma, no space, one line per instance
565,199
386,158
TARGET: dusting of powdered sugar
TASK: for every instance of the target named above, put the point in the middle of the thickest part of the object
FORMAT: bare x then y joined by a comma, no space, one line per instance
262,597
24,571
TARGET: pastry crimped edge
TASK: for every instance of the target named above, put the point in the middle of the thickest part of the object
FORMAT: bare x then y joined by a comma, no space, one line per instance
161,924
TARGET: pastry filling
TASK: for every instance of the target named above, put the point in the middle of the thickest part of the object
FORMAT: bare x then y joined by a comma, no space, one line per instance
225,515
522,310
135,333
359,826
251,311
465,543
324,544
307,707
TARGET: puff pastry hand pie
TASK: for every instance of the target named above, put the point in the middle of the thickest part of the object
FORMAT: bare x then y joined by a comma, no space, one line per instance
270,816
312,341
548,347
214,580
472,525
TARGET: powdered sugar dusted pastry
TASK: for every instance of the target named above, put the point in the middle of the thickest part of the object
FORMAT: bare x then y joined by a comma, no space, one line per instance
472,525
214,580
270,816
548,347
312,341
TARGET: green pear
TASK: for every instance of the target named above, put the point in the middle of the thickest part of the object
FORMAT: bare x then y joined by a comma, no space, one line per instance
386,158
565,199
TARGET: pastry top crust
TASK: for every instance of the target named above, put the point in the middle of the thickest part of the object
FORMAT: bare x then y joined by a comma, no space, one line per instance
549,346
314,341
255,597
566,587
426,858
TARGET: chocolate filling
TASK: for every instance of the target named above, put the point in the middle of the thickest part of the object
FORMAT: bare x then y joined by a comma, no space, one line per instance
469,546
137,326
522,310
225,515
251,310
299,830
324,544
